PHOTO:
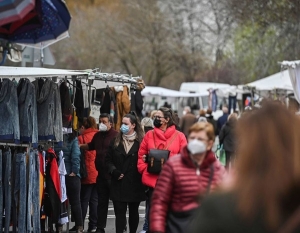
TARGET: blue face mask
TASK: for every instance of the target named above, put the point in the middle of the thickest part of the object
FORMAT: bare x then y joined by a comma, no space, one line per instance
124,129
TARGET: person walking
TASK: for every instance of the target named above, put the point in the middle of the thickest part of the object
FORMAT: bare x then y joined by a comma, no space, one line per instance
227,138
164,136
127,189
187,120
193,173
89,195
147,124
71,154
210,119
100,143
263,195
222,119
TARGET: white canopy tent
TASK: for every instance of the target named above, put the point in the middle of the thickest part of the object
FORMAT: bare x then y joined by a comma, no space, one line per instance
294,74
280,80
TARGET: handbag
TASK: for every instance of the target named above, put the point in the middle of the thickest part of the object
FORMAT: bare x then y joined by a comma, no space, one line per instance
179,222
157,157
83,170
221,155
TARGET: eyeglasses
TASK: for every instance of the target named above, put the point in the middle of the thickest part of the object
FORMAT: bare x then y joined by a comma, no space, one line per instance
158,117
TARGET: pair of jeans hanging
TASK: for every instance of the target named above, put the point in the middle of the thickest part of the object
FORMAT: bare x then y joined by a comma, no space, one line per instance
6,191
33,198
20,190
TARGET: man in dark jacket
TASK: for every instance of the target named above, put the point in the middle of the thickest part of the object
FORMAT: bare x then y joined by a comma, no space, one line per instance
187,120
227,137
210,119
223,119
100,143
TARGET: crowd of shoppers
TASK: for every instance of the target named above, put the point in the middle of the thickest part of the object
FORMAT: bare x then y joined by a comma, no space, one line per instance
129,166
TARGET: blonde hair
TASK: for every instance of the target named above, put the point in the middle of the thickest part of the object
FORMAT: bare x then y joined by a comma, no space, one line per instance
153,113
204,126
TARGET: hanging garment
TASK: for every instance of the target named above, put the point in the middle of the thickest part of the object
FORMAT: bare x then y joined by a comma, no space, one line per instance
137,103
123,104
108,103
79,103
34,209
62,172
48,110
2,167
9,117
232,103
66,105
27,112
52,191
19,192
86,102
7,188
214,100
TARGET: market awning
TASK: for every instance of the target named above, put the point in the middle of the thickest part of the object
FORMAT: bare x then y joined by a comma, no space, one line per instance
280,80
164,92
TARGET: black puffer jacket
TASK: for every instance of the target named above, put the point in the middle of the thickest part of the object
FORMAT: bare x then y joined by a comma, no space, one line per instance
130,187
227,136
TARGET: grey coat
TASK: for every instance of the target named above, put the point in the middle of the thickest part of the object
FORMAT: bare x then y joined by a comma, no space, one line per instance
27,112
9,114
48,110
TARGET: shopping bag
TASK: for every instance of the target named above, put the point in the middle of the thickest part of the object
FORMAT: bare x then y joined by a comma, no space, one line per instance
221,155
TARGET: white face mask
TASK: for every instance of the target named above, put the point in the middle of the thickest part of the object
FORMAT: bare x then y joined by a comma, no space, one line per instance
102,127
196,147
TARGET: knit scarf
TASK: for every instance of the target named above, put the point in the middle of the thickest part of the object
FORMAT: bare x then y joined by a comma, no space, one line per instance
128,141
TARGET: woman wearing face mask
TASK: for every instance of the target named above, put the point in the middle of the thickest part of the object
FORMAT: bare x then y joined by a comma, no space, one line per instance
88,195
164,135
126,184
193,173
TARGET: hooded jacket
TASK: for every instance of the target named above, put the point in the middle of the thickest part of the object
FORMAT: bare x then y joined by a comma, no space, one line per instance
162,139
179,186
27,112
49,114
90,156
9,117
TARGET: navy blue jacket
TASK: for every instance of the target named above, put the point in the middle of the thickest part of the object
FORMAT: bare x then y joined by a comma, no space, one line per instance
222,121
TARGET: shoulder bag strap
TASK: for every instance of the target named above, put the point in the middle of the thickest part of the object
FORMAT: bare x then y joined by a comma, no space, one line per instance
211,175
170,142
83,139
154,139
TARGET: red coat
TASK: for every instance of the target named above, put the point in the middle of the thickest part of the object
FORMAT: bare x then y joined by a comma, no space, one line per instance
179,187
90,156
162,139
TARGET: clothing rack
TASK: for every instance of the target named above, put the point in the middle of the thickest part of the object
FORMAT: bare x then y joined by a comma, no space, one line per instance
14,144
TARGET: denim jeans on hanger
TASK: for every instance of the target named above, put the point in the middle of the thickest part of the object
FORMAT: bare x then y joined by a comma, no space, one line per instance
36,194
33,209
7,189
232,104
30,188
20,190
1,192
